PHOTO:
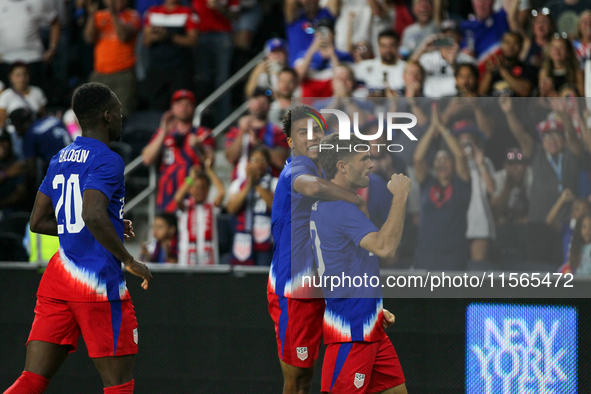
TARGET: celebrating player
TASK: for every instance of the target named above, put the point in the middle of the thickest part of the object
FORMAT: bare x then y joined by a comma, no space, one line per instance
83,289
359,357
296,311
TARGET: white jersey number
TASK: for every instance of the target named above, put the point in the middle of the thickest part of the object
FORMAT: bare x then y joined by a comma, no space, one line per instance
73,196
319,259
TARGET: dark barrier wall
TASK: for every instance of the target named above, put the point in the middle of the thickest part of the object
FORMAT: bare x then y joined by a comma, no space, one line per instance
211,333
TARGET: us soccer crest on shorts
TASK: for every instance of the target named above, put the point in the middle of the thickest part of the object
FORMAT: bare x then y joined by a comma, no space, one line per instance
302,353
359,380
135,337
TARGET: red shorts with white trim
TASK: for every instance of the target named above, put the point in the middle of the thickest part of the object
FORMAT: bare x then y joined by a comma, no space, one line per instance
109,328
298,328
361,367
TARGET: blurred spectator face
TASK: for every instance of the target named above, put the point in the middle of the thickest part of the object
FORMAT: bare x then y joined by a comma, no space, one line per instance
259,162
510,46
542,26
586,230
309,5
19,78
118,5
553,142
162,230
412,74
199,190
259,106
279,56
581,207
423,10
466,81
482,8
286,84
466,140
183,110
443,165
362,51
299,142
558,50
388,47
585,25
343,77
515,171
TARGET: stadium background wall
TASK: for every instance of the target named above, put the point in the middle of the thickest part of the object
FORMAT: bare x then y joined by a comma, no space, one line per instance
211,333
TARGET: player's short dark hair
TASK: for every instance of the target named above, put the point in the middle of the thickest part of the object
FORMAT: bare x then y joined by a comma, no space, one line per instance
262,149
294,114
90,101
342,150
473,69
203,175
389,33
290,70
169,218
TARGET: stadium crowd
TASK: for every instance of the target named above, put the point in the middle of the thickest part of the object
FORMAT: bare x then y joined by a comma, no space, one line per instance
501,170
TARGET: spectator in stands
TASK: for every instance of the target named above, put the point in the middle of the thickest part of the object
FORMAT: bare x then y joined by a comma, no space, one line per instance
362,50
391,14
179,146
254,129
484,30
20,94
316,67
445,197
20,36
565,14
266,73
36,138
579,207
385,71
287,83
353,24
414,80
466,76
561,65
198,238
251,200
427,23
301,18
439,55
170,33
247,24
555,167
582,43
507,75
213,53
535,45
481,225
12,189
579,260
163,247
112,32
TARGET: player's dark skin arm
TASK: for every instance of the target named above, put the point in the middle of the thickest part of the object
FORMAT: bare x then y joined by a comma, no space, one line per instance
43,216
313,186
96,218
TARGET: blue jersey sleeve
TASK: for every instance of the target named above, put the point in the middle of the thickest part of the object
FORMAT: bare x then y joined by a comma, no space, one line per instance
106,175
352,223
301,165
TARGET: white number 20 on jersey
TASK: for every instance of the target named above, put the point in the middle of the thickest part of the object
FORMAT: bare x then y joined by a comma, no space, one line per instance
316,246
72,196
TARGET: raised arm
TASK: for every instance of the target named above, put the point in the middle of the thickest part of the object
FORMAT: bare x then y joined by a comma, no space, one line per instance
313,186
125,31
565,197
458,153
290,11
89,34
419,161
526,142
217,183
384,243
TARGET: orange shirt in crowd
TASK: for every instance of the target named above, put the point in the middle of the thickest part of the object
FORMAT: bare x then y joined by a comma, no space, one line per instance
110,54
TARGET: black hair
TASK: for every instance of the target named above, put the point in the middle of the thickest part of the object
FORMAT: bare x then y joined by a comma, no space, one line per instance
473,69
16,65
516,35
262,149
90,101
341,150
295,114
289,70
389,33
169,218
329,23
203,175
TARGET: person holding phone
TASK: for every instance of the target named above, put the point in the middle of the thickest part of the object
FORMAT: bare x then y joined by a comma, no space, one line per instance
439,54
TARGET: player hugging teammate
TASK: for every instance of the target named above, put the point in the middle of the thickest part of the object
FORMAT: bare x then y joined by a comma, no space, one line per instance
298,313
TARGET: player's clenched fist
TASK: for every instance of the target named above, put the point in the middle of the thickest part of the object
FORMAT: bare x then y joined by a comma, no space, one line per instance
399,184
389,318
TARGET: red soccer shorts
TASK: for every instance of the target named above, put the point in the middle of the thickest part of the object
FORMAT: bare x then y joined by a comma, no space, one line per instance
361,367
109,328
298,328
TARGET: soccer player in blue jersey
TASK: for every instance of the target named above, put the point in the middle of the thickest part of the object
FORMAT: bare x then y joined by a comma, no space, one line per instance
83,289
297,311
359,356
